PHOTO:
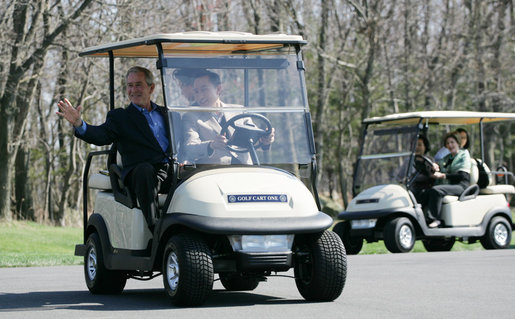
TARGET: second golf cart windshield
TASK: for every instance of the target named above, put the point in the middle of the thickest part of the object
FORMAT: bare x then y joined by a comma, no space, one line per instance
388,147
261,91
386,155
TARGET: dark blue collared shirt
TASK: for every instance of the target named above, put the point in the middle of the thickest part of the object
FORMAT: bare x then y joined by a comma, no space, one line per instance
157,124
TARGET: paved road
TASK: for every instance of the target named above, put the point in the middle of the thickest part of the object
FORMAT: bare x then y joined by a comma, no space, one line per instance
473,284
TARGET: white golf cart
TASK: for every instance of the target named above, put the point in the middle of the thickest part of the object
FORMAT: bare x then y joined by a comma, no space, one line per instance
384,208
243,221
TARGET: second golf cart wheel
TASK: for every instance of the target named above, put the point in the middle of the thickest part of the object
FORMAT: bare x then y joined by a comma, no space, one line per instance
439,244
187,270
352,245
399,235
498,234
99,279
320,266
238,282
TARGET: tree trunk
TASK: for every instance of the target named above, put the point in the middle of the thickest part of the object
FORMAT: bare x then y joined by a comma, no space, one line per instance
17,70
23,194
406,57
321,89
5,168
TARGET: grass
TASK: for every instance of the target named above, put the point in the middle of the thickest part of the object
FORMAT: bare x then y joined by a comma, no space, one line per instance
380,248
28,244
25,244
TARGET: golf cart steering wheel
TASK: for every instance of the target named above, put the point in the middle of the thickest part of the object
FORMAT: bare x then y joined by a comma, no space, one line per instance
246,133
423,165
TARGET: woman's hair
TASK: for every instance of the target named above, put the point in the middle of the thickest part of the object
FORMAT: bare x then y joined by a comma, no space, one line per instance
426,142
462,130
453,135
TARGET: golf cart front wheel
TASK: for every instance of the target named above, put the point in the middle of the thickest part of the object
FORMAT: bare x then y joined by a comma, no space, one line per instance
399,235
439,244
352,245
99,279
187,270
498,234
320,266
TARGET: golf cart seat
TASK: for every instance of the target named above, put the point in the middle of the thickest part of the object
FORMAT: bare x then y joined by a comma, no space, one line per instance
461,210
470,192
100,181
493,188
105,179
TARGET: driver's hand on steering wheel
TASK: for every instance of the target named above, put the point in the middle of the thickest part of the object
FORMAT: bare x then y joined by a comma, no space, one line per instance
436,168
219,142
439,175
268,139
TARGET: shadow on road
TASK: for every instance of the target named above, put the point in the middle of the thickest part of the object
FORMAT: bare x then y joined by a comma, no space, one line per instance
137,299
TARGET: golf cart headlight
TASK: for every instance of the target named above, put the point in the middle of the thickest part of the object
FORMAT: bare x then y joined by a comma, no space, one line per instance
363,223
261,243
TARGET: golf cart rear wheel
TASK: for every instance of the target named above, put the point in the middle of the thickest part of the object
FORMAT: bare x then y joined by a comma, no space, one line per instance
352,245
99,279
439,244
399,235
187,270
498,234
320,266
238,282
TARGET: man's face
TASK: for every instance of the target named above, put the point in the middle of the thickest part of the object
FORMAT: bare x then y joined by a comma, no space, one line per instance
138,90
206,94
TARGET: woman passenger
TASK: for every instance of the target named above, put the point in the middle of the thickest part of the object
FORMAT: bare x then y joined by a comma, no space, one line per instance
464,144
453,177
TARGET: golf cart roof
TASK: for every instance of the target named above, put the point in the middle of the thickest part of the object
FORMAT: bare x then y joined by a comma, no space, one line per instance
441,117
193,42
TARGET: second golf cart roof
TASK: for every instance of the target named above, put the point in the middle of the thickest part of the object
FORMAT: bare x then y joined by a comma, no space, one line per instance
193,42
441,117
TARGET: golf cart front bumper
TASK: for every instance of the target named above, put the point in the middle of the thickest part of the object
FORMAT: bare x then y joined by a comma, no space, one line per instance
250,226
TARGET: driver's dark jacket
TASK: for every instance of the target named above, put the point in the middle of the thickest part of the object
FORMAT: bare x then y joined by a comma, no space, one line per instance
134,139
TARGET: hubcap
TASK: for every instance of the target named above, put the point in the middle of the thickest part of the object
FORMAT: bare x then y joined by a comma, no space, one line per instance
500,234
172,271
405,236
92,263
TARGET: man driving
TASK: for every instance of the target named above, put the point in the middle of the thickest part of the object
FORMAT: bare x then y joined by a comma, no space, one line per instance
203,141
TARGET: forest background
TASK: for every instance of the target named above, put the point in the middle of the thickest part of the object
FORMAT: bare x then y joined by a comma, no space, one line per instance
363,58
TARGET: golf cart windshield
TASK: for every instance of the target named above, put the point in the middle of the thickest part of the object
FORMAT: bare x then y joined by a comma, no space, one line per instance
386,156
257,93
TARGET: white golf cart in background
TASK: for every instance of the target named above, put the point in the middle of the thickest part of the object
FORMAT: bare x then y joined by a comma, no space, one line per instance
384,208
244,222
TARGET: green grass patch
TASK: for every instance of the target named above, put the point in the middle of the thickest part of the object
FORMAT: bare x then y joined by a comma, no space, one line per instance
380,248
24,244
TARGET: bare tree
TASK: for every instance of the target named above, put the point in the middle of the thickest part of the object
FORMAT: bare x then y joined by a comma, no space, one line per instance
26,53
